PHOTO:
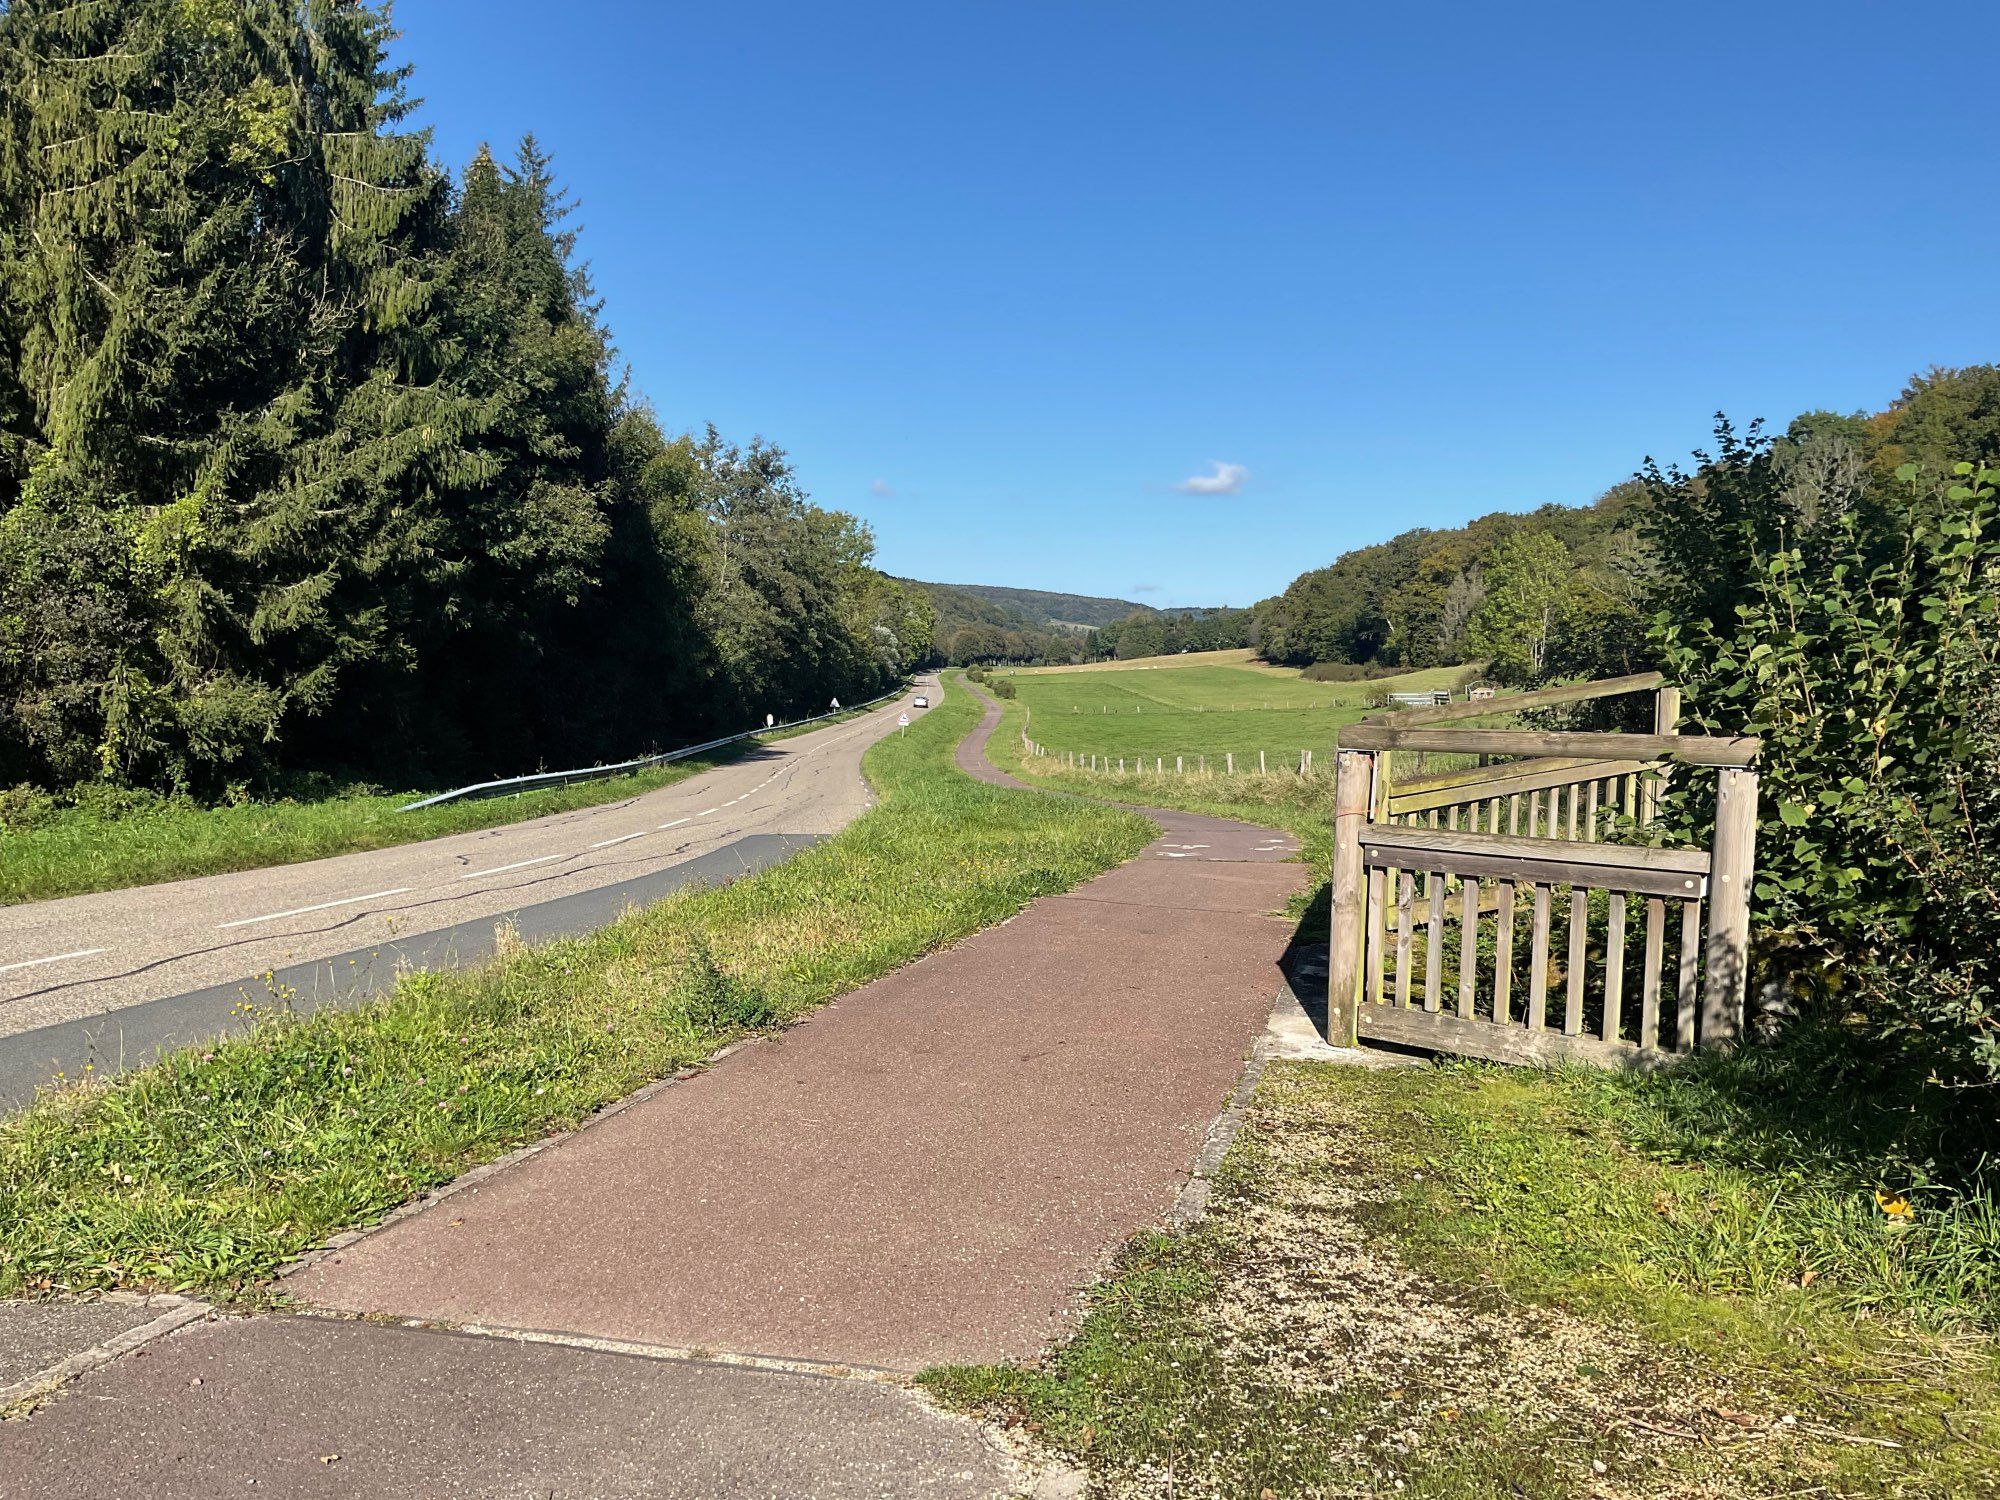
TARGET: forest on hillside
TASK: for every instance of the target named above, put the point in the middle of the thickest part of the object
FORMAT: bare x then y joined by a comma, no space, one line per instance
315,457
1570,590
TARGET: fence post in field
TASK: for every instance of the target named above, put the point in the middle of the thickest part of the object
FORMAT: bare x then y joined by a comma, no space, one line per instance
1354,771
1229,761
1179,768
1159,764
1261,767
1121,765
1732,867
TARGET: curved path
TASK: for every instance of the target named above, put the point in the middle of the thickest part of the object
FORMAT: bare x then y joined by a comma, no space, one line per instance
117,975
1183,835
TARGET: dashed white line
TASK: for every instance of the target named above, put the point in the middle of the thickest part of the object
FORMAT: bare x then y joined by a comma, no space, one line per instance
519,864
300,911
675,824
31,963
623,838
706,811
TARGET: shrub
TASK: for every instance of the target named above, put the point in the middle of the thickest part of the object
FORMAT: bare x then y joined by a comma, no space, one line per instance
1876,687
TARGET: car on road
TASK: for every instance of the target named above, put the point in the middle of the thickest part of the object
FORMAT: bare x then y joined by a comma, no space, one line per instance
920,701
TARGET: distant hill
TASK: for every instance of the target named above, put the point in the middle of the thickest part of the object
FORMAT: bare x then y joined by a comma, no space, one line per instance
1039,607
984,622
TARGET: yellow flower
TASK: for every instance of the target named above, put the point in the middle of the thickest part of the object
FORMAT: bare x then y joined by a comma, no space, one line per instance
1895,1205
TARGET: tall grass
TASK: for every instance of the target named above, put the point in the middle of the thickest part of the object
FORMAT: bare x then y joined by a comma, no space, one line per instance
207,1169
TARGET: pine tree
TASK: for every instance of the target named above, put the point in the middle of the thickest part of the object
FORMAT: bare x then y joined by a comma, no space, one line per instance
220,290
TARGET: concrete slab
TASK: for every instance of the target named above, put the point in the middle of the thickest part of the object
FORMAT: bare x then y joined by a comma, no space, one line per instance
39,1336
282,1406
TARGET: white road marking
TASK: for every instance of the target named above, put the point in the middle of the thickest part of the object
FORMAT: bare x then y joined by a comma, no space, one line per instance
517,865
623,838
31,963
675,824
300,911
706,811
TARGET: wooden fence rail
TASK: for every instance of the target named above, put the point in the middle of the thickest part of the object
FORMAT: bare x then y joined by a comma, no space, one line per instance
1492,911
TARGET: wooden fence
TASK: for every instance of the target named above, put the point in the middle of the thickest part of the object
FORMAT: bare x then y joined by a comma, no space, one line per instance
1450,890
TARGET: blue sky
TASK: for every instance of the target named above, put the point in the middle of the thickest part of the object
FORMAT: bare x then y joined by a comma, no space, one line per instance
1002,276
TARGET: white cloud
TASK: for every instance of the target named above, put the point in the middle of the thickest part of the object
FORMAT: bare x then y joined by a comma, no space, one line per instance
1226,480
880,489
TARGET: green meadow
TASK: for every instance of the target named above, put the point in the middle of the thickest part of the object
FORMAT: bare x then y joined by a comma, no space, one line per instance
1205,707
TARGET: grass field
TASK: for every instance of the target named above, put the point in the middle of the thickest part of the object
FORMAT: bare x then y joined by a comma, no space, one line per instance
207,1169
1200,705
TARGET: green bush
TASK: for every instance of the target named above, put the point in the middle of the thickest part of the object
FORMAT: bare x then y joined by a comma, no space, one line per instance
1876,687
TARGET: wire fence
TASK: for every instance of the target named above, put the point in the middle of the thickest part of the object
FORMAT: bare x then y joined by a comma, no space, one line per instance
513,785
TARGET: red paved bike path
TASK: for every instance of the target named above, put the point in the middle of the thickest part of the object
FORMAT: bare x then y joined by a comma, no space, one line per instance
926,1171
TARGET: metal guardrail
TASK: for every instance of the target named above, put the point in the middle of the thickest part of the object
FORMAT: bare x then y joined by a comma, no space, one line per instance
625,767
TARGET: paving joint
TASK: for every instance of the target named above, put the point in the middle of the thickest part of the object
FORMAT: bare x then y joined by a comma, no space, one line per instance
21,1396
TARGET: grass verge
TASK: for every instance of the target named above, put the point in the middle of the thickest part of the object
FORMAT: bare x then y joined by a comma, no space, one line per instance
141,841
1463,1281
115,840
206,1170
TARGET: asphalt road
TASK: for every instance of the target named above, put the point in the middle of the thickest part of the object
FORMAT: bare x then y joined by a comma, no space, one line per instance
112,952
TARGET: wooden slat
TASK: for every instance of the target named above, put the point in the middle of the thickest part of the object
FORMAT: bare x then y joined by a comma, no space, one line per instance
1614,969
1468,949
1507,1044
1503,954
1538,963
1687,749
1685,996
1576,692
1511,776
1649,984
1616,867
1513,814
1378,880
1579,940
1406,898
1434,947
1590,814
1575,797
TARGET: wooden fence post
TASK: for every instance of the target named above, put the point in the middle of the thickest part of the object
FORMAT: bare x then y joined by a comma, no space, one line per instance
1732,867
1354,771
1229,761
1666,720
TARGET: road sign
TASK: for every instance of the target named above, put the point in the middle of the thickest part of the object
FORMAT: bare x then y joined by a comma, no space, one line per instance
903,721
